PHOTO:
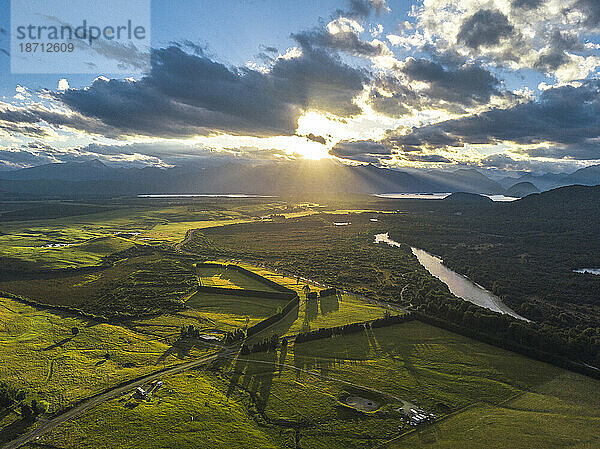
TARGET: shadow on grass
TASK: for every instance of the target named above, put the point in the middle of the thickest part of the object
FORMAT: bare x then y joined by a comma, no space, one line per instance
59,344
14,430
329,304
331,352
180,349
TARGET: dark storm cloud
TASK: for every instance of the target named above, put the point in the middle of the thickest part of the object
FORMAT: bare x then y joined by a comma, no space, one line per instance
591,11
359,149
318,79
484,28
363,8
580,151
188,94
433,158
526,4
318,139
467,84
26,130
560,43
562,115
347,41
452,85
401,101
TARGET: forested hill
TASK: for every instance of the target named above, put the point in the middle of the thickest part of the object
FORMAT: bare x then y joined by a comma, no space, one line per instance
572,202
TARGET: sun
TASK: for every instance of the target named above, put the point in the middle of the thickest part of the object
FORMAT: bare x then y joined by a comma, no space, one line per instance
309,149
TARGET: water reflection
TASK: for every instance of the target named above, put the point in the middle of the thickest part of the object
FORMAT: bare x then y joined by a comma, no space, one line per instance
458,284
588,270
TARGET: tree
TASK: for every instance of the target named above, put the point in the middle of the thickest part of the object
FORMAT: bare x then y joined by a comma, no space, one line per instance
40,407
26,412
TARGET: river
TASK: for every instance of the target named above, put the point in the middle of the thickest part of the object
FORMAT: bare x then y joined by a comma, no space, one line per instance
458,284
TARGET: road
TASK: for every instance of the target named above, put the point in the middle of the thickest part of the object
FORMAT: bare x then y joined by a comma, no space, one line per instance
90,403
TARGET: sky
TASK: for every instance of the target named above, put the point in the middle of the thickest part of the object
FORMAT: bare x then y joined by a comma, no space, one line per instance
504,86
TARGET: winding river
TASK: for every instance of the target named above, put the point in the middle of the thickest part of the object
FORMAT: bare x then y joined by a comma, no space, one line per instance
458,284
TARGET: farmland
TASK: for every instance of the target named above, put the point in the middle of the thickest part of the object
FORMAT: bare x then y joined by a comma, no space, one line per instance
229,312
298,390
134,286
42,355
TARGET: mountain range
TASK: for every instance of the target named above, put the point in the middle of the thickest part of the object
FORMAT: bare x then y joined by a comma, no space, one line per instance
94,178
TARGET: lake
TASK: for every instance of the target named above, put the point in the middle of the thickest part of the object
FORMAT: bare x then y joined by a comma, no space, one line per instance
458,284
588,270
207,195
435,196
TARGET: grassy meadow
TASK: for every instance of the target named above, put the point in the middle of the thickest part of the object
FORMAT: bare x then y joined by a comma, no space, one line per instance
484,396
191,410
41,355
230,312
221,277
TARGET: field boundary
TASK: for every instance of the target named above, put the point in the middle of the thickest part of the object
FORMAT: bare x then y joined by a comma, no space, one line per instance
251,274
273,319
246,292
536,354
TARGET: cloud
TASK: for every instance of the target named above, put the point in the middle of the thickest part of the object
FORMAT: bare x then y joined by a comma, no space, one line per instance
564,115
63,84
467,84
38,153
444,82
431,158
513,34
508,163
556,53
341,34
590,10
360,150
319,139
188,94
484,28
364,8
526,4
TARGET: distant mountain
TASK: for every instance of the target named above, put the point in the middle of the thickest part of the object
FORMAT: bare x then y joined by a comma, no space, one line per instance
546,181
94,178
521,189
508,181
586,176
463,197
69,171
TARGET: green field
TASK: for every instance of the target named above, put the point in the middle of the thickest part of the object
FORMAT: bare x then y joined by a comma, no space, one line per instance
211,276
42,356
312,314
437,370
230,312
26,242
190,410
484,396
34,248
